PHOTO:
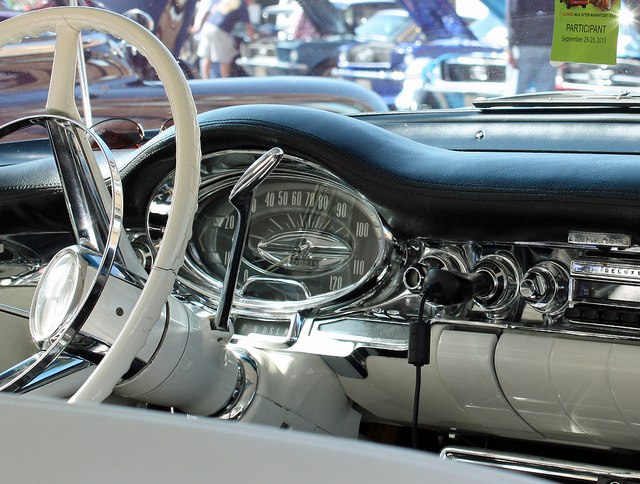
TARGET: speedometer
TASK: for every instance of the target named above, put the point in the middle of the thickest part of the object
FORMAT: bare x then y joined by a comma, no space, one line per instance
307,237
311,238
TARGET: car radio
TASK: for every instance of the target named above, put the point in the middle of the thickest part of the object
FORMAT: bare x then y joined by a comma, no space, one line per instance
605,292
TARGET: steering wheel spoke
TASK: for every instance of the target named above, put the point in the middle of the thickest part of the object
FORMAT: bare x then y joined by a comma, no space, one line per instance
61,98
77,168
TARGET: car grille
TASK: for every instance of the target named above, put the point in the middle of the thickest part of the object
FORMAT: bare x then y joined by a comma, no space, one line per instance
464,72
258,49
368,54
625,74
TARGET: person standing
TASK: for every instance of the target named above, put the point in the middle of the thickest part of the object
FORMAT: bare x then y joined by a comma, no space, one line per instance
530,33
215,21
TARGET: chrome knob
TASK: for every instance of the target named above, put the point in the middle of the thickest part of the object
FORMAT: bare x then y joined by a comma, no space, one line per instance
504,271
449,260
545,287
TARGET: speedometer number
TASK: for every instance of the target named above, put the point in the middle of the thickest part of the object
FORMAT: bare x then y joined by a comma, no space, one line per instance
335,283
229,222
270,199
310,200
323,202
358,267
362,229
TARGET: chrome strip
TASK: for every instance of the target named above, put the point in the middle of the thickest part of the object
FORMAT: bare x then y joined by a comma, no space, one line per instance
61,368
540,466
373,75
21,313
600,239
271,62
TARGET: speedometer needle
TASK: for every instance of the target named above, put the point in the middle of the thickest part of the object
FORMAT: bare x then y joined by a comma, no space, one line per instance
296,251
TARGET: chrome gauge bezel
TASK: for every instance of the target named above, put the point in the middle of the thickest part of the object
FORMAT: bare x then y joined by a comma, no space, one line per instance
219,171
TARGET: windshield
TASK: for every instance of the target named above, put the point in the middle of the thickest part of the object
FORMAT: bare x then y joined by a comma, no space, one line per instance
428,54
629,38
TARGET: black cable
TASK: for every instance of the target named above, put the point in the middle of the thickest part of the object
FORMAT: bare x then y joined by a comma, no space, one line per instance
419,349
416,407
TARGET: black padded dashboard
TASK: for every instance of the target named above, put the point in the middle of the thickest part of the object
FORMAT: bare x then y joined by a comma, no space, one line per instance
525,178
564,130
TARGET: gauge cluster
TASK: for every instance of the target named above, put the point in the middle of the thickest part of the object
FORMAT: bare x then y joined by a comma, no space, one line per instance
316,244
311,238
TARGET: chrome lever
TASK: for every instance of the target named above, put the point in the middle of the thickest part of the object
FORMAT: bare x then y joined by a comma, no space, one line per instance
240,197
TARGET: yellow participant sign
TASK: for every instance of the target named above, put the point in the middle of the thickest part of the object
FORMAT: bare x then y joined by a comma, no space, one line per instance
585,31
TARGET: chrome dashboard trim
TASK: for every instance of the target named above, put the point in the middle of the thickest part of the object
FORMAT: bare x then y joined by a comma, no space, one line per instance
612,269
540,466
600,239
246,388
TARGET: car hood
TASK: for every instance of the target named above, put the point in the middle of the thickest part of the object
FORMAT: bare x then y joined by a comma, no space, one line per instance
325,17
438,18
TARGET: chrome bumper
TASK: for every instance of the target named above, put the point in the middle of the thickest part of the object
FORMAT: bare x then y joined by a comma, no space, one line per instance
366,74
273,63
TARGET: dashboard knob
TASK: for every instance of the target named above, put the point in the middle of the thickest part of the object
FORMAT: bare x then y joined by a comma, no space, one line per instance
545,287
448,260
504,271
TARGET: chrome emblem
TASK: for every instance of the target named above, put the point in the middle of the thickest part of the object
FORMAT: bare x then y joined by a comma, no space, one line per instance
305,251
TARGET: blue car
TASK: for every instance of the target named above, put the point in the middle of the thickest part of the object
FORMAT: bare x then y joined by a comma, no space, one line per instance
333,24
423,31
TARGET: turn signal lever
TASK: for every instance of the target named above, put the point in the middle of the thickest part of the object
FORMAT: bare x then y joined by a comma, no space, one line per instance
240,198
446,288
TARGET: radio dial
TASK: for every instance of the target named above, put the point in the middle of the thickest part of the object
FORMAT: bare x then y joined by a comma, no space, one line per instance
545,287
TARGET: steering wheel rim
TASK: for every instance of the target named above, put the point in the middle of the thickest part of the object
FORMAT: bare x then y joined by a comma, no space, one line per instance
67,23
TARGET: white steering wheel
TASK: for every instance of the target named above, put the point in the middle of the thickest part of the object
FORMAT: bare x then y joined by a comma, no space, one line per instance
67,23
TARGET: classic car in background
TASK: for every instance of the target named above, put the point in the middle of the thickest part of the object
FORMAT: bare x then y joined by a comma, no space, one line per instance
464,282
333,23
452,80
119,77
429,37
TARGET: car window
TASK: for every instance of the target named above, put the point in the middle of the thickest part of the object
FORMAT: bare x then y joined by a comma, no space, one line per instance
417,55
